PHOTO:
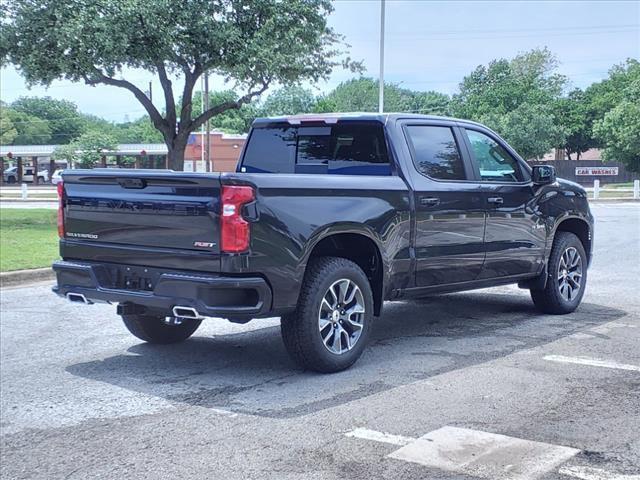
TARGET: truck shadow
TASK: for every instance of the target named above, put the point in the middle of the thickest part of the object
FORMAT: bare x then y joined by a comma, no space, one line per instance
251,373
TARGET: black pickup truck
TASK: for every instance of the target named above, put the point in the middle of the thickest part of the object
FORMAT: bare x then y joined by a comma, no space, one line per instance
326,218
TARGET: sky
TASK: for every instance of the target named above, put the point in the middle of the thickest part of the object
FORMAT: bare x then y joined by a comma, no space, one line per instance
429,45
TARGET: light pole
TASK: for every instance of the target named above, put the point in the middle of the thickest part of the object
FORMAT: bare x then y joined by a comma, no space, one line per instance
381,82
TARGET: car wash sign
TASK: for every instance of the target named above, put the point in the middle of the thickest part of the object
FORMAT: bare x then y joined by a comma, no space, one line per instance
596,171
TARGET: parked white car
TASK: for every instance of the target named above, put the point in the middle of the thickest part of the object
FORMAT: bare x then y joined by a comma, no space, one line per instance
56,178
11,175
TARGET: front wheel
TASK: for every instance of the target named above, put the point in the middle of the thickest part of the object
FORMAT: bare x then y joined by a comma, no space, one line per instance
567,276
154,329
332,323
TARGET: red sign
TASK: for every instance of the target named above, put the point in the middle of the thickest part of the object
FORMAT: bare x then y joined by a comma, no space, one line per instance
596,171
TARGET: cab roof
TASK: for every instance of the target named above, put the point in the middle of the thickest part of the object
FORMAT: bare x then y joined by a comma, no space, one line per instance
331,118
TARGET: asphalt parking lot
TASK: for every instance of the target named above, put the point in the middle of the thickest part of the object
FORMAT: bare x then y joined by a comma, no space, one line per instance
460,386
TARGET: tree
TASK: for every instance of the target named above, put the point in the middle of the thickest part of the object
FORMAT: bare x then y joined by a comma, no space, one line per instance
574,114
232,121
250,43
61,117
504,85
516,98
7,130
619,130
288,101
138,131
29,130
361,95
529,129
87,150
430,103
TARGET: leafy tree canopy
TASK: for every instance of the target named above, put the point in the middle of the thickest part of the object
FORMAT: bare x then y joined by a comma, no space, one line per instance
87,150
250,43
7,130
30,130
619,130
361,95
504,85
60,116
288,101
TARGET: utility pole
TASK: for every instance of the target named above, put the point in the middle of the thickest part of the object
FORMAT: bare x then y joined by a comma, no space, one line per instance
150,92
207,127
381,82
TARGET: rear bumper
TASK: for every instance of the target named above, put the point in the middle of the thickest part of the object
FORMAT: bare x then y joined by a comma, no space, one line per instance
240,298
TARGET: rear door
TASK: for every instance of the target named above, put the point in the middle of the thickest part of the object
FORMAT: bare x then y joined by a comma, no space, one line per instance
169,210
515,235
450,211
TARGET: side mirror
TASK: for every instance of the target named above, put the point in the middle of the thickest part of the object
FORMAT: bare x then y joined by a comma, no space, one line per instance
543,174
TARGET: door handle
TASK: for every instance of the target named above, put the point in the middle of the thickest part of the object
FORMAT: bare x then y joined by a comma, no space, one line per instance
495,200
429,201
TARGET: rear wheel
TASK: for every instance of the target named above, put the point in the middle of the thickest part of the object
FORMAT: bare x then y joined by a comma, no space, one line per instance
332,323
154,329
11,180
567,276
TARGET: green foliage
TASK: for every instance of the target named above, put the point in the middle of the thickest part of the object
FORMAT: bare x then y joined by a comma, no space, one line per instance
87,150
361,95
138,131
504,85
529,129
7,130
619,130
288,101
30,130
61,116
574,114
231,121
253,44
517,98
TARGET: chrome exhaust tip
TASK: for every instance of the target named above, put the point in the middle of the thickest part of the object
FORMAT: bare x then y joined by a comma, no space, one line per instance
78,298
185,312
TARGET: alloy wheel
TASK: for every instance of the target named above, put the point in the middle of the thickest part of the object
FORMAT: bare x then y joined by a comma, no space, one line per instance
341,316
570,274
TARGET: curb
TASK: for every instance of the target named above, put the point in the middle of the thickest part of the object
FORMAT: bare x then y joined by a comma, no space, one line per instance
23,277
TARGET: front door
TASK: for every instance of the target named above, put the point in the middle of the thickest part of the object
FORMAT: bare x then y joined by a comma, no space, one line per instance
450,213
515,235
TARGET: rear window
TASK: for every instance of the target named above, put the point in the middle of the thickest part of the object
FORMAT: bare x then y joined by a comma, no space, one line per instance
353,148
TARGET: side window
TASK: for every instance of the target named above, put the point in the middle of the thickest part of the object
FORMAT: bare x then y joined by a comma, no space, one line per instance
435,152
270,150
350,148
494,162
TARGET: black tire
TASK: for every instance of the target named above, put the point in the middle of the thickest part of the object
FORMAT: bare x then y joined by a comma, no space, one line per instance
153,329
301,329
551,299
11,180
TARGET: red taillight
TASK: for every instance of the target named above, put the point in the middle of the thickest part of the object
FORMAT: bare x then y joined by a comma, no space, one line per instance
234,230
60,209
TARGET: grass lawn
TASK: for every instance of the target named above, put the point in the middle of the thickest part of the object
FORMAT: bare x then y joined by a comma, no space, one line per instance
28,238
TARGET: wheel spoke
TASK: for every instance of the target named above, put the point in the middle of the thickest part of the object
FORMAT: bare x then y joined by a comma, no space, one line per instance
324,323
326,305
336,346
344,286
326,338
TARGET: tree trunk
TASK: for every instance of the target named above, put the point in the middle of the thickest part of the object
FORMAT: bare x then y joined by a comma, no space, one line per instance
175,153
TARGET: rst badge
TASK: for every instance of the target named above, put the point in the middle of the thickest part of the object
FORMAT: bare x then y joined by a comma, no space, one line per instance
203,244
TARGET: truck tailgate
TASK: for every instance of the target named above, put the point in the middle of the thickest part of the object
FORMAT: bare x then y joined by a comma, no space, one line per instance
147,208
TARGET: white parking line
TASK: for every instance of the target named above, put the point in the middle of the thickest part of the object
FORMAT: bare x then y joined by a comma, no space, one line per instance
476,453
592,362
590,473
382,437
484,454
